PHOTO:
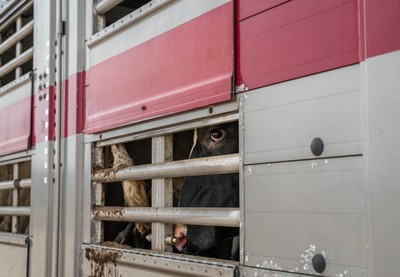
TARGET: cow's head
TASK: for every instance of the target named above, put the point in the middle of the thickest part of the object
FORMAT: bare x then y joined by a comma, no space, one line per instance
221,190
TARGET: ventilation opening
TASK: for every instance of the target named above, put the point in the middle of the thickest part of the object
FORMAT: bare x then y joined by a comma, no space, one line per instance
191,203
16,39
15,184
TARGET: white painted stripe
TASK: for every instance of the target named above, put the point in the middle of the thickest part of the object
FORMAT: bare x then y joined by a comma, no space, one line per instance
161,21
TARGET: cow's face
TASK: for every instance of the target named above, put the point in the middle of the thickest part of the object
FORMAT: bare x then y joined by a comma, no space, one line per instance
219,190
218,140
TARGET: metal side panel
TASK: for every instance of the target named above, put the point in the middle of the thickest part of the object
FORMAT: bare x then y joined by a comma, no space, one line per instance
14,254
383,163
282,120
177,58
119,262
13,260
296,210
70,203
15,115
283,40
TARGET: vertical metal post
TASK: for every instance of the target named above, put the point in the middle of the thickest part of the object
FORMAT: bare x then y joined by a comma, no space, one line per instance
18,46
98,200
101,22
15,200
161,191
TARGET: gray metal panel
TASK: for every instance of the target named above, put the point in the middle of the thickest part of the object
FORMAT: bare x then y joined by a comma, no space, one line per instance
382,116
13,260
315,206
40,222
289,115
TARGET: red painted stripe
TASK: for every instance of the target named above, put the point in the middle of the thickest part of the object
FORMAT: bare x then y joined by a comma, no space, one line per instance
296,39
73,101
247,8
187,67
382,26
15,126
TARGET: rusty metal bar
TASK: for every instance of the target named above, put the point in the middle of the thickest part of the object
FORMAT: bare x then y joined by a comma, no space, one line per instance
192,167
18,61
161,191
98,193
15,211
226,217
105,5
16,37
15,184
14,239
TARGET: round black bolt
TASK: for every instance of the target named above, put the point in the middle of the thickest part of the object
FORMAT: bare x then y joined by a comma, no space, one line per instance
319,263
143,108
317,146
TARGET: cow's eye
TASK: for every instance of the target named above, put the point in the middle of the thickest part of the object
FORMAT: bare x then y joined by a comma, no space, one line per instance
217,135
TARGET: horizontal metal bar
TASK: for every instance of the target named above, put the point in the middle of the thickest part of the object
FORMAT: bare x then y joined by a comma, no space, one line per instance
16,158
15,239
18,61
105,5
226,217
14,13
16,37
15,184
161,263
209,121
193,167
126,21
17,211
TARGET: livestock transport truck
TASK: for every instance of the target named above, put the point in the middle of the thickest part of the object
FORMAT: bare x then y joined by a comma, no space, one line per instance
311,85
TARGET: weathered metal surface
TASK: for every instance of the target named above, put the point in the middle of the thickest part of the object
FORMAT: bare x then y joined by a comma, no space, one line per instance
192,167
305,208
13,260
119,261
228,217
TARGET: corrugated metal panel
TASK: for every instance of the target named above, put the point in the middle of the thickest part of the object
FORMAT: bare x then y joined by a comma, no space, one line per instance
184,68
296,39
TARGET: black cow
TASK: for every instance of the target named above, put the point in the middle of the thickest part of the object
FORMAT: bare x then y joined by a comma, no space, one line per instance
220,190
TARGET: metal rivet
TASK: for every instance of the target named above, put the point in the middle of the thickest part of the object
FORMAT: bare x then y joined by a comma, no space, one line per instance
317,146
143,108
319,263
211,109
